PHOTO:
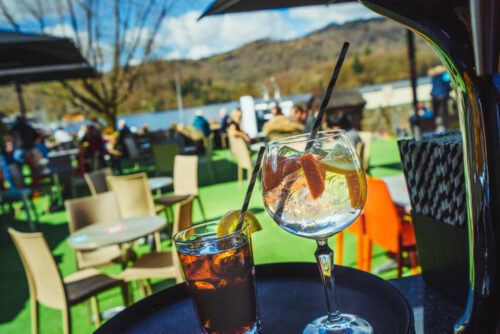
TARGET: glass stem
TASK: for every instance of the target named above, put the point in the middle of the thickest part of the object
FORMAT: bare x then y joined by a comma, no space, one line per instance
324,257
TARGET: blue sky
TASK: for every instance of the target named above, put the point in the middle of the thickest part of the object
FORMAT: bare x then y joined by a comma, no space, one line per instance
215,34
181,36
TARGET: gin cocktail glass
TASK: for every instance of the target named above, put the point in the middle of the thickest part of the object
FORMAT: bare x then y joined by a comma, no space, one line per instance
315,188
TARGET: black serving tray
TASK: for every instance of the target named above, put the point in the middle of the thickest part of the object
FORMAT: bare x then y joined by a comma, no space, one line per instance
289,294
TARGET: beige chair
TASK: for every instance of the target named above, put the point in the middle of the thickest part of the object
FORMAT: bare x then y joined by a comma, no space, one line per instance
90,210
185,183
240,151
161,264
366,138
47,286
97,180
134,197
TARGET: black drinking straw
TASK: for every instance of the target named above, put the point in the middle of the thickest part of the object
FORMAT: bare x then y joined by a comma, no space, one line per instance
328,95
250,188
317,124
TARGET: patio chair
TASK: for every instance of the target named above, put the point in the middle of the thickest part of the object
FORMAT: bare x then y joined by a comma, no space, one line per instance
240,151
62,168
207,160
359,230
386,227
134,197
90,210
18,192
185,183
97,180
164,155
47,287
161,264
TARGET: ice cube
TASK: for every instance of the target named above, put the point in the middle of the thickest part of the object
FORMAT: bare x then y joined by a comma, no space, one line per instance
288,151
318,151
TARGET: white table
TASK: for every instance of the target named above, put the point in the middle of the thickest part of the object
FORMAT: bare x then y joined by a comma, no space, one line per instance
398,190
115,232
160,182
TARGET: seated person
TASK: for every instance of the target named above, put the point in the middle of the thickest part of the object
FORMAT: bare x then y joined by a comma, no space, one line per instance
340,121
280,126
201,123
234,127
299,115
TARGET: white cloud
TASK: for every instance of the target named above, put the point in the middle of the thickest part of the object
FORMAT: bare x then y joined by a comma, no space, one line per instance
175,54
320,16
221,33
200,51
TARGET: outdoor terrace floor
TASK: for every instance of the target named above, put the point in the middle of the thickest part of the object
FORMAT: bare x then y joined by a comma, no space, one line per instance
270,245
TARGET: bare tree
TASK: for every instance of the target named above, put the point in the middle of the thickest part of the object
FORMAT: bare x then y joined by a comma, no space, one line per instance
117,37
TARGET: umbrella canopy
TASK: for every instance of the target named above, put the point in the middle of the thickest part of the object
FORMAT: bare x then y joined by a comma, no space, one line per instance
27,58
235,6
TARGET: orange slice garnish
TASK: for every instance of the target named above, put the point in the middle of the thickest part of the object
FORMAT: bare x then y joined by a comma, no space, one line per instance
356,181
315,174
271,178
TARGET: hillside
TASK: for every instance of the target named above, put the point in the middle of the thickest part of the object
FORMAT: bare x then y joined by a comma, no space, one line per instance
377,54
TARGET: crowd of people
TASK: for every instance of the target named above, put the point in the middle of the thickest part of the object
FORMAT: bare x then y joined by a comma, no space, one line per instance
300,121
22,144
99,146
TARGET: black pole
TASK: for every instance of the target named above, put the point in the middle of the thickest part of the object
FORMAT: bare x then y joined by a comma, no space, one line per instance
22,107
413,80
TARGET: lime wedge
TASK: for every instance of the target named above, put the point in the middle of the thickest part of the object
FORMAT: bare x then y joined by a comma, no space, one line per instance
229,222
344,166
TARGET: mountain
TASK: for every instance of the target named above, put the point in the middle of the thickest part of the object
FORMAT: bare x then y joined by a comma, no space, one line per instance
377,54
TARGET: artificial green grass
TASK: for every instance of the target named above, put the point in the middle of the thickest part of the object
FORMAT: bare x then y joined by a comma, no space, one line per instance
270,245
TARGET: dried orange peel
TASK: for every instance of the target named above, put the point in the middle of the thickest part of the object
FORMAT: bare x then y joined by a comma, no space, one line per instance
314,173
273,177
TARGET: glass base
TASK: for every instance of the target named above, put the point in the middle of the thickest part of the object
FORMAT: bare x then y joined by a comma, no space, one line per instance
350,324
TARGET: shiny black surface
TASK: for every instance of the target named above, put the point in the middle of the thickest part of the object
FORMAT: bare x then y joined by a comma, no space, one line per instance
448,27
289,296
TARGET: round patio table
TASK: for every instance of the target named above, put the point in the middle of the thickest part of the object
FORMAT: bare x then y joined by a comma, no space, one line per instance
160,182
289,296
396,184
115,232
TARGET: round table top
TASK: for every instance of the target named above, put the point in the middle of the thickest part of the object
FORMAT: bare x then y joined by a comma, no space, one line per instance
115,232
256,146
289,296
159,182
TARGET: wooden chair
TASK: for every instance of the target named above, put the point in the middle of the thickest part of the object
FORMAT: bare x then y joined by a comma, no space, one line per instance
240,151
161,264
97,180
134,197
185,183
48,287
386,227
90,210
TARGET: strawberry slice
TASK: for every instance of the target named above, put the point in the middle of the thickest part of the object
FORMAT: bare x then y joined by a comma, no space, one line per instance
315,174
271,178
